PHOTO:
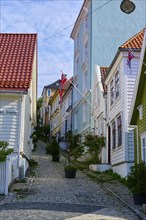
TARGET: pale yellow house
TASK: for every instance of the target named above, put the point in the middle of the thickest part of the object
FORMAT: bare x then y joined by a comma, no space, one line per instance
47,93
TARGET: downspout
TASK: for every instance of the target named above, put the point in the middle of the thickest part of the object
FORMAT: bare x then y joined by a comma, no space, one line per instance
91,67
136,127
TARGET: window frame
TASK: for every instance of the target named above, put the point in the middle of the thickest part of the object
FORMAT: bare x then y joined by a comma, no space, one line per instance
143,149
117,84
112,92
119,130
113,135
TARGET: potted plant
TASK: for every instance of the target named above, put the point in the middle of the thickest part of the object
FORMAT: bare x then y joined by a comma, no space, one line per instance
55,152
74,149
136,182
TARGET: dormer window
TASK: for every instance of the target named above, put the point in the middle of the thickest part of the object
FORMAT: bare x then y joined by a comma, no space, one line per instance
140,109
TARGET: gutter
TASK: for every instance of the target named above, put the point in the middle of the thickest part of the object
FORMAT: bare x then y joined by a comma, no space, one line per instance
23,92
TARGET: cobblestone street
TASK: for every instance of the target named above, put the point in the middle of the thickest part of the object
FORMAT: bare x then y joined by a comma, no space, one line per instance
51,196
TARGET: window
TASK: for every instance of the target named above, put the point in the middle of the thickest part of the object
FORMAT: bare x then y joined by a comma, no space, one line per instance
78,43
76,92
85,55
84,81
86,23
117,84
84,111
143,145
112,91
76,120
119,131
77,66
140,109
114,135
49,92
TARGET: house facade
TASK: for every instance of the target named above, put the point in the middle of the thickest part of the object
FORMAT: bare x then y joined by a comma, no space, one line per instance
18,94
66,110
93,34
137,116
47,93
120,81
54,109
99,107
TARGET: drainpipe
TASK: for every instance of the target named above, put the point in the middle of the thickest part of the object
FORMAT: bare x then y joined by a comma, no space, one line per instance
136,127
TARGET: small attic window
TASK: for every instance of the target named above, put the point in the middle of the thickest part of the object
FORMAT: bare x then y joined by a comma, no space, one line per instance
49,92
140,109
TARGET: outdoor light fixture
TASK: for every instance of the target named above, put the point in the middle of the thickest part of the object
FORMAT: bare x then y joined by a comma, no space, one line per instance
127,6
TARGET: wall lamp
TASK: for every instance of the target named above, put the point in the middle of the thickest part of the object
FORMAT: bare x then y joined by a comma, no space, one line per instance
127,6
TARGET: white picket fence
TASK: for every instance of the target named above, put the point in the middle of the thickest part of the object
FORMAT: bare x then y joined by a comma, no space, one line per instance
8,172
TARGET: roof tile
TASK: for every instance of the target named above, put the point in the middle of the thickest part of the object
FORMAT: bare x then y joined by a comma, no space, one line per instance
16,60
134,42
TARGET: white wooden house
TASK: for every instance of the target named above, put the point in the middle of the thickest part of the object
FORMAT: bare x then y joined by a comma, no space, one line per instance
18,93
98,108
120,83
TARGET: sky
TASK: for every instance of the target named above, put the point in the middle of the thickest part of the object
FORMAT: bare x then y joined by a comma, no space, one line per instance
46,18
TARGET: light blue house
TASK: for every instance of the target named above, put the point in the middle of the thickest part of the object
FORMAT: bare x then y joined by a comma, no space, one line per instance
98,31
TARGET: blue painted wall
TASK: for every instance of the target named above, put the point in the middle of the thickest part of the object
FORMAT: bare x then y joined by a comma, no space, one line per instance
108,28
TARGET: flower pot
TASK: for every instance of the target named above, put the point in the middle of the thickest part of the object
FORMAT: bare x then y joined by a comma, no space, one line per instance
139,198
55,158
70,173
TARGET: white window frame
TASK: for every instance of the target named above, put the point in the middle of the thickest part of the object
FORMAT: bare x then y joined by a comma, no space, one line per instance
143,148
117,84
112,92
140,109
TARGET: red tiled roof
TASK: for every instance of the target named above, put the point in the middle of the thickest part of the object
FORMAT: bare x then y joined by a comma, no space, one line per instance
16,60
134,42
104,71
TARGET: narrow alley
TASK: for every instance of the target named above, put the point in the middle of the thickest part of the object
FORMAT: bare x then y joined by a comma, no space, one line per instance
51,196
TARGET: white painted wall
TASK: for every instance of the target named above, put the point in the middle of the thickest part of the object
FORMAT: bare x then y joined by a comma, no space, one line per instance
122,157
10,120
98,109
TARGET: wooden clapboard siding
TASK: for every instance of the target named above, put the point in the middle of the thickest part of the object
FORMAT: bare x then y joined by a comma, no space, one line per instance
9,123
130,78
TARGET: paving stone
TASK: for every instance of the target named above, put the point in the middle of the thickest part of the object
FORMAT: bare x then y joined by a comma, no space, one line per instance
51,196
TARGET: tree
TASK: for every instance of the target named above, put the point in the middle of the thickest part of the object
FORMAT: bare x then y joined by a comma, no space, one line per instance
39,103
75,147
94,145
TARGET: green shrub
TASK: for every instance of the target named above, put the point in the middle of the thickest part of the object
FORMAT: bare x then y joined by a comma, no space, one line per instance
4,150
95,144
136,180
70,168
48,148
54,148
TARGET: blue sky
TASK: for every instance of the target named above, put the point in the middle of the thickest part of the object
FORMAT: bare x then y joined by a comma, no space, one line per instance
44,17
